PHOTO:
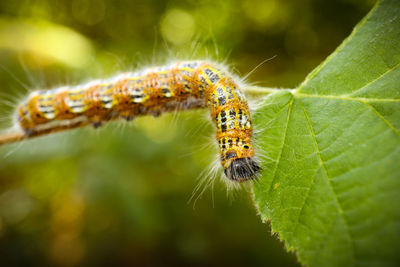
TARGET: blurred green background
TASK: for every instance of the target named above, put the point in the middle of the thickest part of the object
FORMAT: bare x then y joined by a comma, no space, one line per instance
119,195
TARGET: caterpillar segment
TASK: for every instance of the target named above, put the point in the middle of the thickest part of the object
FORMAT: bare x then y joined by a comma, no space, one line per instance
178,86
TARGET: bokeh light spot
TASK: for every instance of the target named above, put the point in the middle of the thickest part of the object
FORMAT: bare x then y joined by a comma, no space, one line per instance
15,205
269,15
46,41
177,26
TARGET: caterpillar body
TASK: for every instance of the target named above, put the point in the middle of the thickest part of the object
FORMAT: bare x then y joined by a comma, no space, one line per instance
177,86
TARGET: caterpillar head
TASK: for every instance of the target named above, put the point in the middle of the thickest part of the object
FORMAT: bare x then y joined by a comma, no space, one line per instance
242,169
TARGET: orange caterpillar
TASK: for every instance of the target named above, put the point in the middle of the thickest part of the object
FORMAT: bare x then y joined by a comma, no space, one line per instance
178,86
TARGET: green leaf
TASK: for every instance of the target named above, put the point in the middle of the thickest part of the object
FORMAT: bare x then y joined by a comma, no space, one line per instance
330,184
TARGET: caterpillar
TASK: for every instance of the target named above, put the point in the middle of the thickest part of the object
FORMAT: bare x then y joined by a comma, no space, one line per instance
177,86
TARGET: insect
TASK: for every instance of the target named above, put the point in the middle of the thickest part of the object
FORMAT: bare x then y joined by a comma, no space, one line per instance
177,86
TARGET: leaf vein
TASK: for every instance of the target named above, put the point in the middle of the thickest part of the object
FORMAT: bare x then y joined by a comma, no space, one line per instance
375,80
337,137
361,100
273,119
283,144
301,95
322,165
382,118
304,203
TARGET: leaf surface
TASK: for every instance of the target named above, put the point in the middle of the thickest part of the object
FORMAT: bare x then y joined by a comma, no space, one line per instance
330,184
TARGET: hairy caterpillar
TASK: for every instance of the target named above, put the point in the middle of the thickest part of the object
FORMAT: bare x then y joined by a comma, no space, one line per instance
178,86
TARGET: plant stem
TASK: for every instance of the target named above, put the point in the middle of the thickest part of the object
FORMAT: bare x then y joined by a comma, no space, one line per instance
9,138
258,90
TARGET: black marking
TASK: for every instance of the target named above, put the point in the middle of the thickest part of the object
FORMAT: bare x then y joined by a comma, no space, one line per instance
239,96
230,93
222,101
201,90
77,106
223,116
136,96
190,65
230,155
223,127
232,113
214,78
213,100
208,72
220,92
242,169
240,118
45,106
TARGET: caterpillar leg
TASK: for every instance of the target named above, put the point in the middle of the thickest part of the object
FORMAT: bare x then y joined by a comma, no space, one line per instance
28,132
96,124
128,118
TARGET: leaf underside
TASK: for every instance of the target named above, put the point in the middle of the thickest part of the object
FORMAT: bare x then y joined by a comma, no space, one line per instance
330,184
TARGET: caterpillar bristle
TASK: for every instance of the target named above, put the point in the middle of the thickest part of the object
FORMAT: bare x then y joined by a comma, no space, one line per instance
242,170
177,86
